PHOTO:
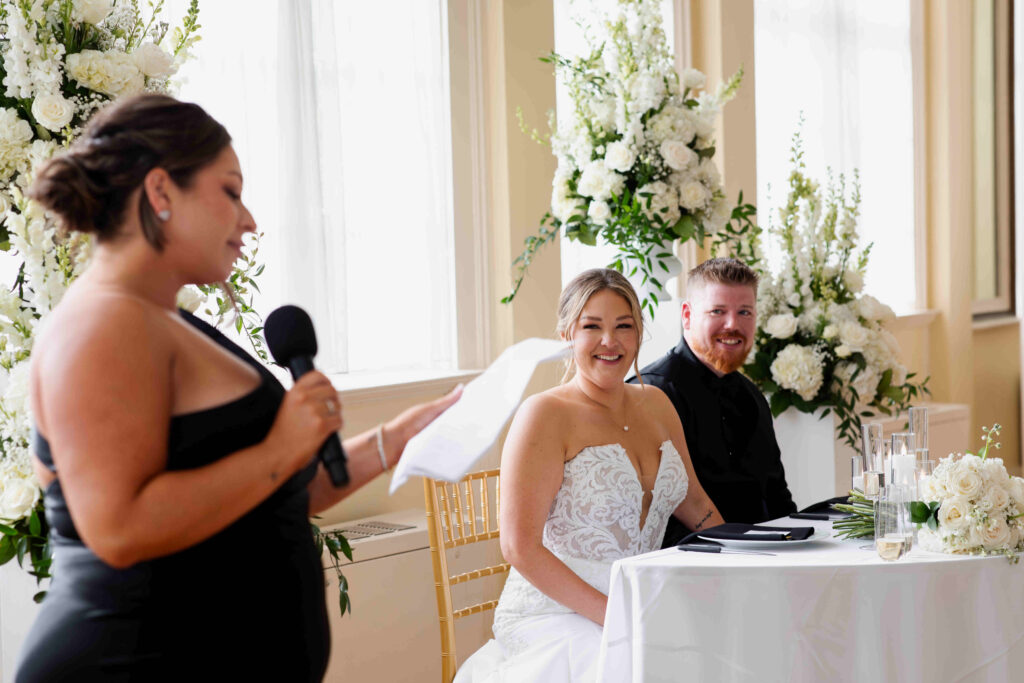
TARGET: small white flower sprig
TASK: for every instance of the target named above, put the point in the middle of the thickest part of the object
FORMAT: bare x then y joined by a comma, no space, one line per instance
820,342
971,505
635,167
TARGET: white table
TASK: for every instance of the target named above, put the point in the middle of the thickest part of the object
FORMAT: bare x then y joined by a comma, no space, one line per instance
821,611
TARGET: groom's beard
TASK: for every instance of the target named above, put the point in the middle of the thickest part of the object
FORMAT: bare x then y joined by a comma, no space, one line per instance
722,358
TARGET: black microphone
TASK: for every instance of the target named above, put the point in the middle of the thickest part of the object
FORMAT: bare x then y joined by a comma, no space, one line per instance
292,342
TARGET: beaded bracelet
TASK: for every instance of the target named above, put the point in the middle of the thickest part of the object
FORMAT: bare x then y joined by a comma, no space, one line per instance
380,447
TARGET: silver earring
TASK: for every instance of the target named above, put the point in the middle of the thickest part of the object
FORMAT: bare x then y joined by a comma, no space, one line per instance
164,215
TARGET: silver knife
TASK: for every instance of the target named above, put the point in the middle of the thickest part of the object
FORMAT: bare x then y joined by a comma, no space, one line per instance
696,548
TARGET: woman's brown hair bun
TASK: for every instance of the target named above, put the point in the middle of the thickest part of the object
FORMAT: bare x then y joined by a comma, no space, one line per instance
89,186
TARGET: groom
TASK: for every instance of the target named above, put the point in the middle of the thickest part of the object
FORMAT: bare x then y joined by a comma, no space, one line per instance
726,419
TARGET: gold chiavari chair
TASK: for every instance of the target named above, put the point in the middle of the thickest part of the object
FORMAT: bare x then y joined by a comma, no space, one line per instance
460,514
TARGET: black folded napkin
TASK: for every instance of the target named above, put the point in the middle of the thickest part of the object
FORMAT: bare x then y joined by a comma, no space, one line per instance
735,531
822,511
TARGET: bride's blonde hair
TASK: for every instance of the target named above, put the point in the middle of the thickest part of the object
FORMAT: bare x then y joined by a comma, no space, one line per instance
577,293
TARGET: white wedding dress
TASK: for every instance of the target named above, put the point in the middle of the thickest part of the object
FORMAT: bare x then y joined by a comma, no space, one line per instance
595,519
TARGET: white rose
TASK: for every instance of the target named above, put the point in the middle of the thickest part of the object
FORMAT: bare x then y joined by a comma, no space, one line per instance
873,309
599,212
153,61
1017,491
619,156
995,499
953,513
190,298
798,368
995,534
693,196
781,326
693,79
842,351
91,11
52,111
854,335
829,331
17,499
930,489
677,155
966,482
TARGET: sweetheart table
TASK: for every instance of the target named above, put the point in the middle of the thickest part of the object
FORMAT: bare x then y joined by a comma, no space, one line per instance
824,610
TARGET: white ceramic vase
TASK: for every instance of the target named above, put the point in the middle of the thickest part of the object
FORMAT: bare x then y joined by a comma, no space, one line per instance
808,445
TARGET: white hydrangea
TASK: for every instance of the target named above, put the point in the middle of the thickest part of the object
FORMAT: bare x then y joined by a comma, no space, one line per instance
113,73
664,202
799,369
599,182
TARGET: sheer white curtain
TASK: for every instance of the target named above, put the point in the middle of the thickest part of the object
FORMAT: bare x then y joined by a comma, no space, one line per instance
340,115
847,66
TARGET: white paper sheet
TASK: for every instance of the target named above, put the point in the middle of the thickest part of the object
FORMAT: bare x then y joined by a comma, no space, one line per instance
451,445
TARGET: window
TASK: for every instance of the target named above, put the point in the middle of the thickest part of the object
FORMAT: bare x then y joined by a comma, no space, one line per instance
848,68
342,118
993,145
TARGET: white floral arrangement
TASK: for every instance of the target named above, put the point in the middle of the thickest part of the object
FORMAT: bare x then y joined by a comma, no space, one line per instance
635,167
971,505
820,342
60,61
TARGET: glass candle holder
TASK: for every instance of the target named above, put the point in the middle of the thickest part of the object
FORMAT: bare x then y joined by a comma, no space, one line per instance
917,421
903,459
857,473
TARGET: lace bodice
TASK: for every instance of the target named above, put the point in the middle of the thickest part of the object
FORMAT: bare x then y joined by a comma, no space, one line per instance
595,520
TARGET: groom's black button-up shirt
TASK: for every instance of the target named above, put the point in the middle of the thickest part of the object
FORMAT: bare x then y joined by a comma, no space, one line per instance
729,434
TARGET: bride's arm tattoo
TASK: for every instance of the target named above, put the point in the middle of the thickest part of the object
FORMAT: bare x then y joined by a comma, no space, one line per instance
701,522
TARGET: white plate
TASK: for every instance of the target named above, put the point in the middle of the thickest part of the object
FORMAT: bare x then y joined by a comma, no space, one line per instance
753,542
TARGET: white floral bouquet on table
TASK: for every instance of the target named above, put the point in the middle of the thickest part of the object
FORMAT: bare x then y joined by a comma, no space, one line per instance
60,61
970,504
635,165
820,342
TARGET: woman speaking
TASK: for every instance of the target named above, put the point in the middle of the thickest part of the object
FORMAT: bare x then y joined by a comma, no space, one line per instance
179,474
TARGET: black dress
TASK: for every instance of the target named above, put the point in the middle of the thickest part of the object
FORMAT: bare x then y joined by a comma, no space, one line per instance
246,604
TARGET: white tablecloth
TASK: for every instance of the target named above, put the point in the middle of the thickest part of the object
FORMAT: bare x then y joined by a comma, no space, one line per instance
820,611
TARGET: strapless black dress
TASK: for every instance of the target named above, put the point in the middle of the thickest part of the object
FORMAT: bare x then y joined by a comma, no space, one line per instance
246,604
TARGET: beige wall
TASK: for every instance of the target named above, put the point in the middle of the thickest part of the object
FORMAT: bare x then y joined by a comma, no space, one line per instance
996,373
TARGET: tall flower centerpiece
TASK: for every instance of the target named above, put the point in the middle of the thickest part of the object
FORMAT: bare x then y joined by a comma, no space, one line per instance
635,166
820,342
60,61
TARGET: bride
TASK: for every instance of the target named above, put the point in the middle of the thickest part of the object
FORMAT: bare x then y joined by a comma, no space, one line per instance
590,472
